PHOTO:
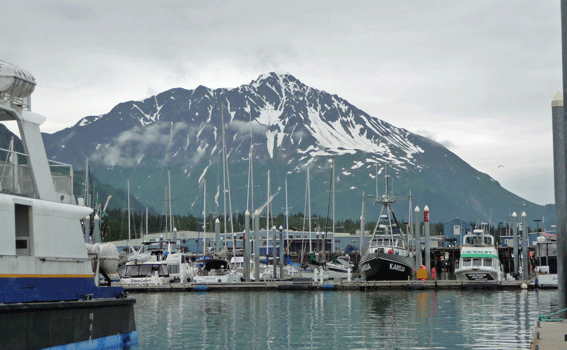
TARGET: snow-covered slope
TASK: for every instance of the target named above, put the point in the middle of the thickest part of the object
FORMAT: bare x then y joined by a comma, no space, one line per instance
290,126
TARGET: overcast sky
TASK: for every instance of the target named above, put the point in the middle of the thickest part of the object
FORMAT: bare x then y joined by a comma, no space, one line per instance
476,76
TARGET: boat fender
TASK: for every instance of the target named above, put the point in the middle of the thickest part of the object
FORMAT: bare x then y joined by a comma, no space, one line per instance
201,288
328,286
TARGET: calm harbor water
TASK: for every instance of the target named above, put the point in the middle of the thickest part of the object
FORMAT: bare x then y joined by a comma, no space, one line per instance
475,319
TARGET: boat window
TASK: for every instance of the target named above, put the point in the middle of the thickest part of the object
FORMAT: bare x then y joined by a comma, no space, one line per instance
162,270
467,262
132,270
173,268
487,262
145,270
477,262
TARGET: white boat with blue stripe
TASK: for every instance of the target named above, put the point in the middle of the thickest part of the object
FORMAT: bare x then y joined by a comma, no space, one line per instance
50,297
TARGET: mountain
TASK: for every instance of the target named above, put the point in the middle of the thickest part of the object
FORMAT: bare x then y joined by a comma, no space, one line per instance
290,126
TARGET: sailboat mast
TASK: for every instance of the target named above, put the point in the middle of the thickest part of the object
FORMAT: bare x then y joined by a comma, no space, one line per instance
268,217
250,192
128,188
169,199
223,167
333,191
362,226
87,189
147,229
204,216
286,215
309,206
164,208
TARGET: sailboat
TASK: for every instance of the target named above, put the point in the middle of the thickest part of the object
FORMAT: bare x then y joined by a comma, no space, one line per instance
387,257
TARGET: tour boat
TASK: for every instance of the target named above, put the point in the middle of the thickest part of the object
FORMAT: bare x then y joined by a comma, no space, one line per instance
479,258
51,297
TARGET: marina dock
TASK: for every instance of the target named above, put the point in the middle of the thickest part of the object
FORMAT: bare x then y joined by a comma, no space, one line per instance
317,286
549,335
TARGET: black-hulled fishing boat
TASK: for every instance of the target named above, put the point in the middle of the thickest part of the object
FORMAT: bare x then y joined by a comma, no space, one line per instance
387,257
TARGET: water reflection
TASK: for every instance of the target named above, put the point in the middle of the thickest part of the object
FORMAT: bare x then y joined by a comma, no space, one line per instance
340,320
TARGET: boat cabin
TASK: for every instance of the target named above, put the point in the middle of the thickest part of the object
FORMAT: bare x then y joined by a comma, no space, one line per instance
146,270
388,244
478,239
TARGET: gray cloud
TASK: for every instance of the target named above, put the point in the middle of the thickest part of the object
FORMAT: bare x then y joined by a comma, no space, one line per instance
469,69
128,148
244,128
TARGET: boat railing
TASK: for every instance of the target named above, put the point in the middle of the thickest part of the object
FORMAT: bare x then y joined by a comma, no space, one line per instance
16,175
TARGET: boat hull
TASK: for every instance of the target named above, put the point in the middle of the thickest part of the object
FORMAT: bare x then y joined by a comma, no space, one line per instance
86,324
216,279
44,288
547,280
477,275
386,267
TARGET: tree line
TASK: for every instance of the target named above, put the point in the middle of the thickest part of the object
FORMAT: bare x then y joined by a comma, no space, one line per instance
115,224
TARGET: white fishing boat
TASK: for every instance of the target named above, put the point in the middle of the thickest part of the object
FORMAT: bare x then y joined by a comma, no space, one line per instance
51,297
546,261
479,258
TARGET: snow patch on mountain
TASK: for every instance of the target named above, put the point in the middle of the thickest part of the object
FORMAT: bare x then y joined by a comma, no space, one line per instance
88,120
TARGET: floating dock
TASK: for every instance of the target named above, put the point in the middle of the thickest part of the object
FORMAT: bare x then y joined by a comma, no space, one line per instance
549,335
330,285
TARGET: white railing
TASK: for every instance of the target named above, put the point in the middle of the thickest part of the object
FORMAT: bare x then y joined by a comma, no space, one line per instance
16,176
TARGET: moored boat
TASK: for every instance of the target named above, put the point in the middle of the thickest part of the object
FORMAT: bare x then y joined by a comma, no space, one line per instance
479,258
546,261
213,270
156,262
387,257
51,297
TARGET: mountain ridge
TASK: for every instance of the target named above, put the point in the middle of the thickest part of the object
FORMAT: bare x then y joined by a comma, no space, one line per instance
290,126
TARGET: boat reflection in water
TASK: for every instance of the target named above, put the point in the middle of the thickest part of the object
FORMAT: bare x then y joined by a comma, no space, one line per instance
396,319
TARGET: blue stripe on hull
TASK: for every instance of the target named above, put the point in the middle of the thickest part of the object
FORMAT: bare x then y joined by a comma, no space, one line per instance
119,341
30,289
